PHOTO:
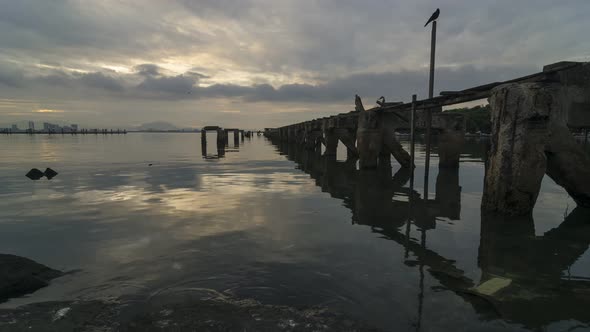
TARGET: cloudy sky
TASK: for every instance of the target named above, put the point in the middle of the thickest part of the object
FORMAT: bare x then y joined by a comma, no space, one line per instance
257,63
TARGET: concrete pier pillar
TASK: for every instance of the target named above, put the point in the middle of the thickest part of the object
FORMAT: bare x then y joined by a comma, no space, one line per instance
450,144
313,140
204,143
291,134
369,139
221,138
236,138
517,161
331,140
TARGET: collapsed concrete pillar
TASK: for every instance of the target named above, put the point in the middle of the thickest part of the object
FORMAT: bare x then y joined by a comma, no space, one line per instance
348,138
392,146
530,136
369,139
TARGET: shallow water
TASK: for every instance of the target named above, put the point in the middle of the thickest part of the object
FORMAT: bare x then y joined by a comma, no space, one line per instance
285,226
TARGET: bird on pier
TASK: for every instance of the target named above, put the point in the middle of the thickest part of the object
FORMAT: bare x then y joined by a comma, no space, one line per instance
381,101
433,17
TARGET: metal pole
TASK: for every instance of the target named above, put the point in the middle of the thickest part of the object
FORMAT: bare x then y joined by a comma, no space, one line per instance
412,157
413,134
432,53
429,111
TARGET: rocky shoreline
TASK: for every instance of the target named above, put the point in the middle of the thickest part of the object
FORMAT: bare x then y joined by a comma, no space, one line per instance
177,314
180,312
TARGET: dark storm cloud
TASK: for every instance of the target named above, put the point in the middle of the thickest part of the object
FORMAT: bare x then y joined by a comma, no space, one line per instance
147,69
180,84
101,81
92,80
396,85
153,85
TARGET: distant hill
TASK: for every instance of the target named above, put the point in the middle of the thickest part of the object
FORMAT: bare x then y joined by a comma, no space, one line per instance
157,125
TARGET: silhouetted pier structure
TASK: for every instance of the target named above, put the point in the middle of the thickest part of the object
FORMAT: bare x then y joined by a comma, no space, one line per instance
531,121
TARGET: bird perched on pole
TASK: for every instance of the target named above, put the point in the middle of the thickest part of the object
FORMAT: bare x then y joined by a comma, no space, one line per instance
433,17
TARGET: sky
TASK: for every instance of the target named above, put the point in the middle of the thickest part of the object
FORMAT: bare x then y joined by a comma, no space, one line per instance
262,63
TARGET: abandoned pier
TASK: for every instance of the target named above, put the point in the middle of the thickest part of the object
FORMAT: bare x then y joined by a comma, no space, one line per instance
532,118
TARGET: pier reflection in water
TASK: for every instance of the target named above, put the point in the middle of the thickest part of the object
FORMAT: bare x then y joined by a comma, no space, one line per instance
522,274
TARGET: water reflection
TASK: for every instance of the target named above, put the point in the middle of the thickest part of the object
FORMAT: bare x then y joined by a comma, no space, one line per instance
524,277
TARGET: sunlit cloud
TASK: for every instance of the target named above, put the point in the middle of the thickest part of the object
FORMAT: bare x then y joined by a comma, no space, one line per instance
44,110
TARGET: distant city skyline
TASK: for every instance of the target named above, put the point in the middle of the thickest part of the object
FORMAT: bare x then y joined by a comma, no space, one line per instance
262,63
42,125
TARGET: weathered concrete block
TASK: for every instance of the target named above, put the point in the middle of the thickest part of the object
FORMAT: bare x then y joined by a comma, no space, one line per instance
530,137
517,161
574,95
568,164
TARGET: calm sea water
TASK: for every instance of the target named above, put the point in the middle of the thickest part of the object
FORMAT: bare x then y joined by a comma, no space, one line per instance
285,226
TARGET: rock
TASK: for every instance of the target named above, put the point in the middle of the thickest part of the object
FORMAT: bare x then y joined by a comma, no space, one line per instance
50,174
34,174
20,276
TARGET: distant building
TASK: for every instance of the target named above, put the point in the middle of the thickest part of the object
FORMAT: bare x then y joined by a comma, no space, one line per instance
74,127
31,126
14,127
50,127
